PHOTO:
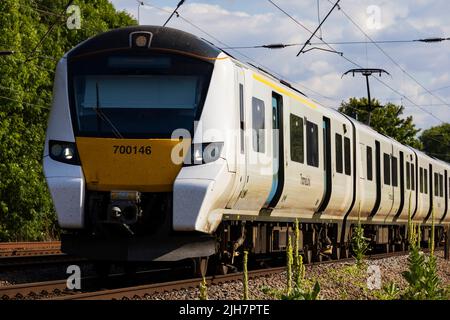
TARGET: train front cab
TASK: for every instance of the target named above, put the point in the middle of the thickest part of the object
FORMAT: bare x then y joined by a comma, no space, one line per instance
107,157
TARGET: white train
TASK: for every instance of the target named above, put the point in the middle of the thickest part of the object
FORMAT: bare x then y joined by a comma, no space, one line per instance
255,155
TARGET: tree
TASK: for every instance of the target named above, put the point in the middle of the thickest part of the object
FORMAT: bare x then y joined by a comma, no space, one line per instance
26,80
436,141
384,119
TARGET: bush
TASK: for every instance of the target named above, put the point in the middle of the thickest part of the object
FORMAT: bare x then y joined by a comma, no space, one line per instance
422,278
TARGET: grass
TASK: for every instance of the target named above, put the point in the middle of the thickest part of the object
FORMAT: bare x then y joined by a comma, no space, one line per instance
245,281
298,289
421,276
360,244
203,290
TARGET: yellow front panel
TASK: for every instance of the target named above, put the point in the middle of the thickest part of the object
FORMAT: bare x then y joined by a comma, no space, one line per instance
128,164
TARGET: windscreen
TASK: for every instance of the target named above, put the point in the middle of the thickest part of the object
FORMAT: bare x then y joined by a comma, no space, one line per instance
137,96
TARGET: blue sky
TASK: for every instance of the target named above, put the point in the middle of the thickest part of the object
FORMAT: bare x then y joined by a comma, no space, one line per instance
416,67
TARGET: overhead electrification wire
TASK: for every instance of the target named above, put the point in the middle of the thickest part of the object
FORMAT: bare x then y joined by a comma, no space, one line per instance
390,58
314,34
318,17
174,11
441,88
359,66
291,17
47,33
285,45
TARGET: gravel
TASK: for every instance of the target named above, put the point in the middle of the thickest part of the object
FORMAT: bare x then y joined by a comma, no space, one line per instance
338,281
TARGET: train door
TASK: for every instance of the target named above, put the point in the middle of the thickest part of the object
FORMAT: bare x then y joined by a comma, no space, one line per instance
377,177
326,164
398,196
257,148
277,152
242,144
431,188
387,185
446,195
402,184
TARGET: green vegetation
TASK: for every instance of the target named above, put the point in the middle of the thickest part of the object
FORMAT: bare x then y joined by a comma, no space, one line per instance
289,263
203,288
389,292
245,282
345,275
421,276
360,244
26,211
299,268
302,290
385,119
436,141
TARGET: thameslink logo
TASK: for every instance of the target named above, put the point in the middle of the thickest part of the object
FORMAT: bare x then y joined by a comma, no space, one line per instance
306,181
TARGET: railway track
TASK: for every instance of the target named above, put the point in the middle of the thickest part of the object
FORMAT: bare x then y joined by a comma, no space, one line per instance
93,291
22,249
13,262
56,288
142,291
29,254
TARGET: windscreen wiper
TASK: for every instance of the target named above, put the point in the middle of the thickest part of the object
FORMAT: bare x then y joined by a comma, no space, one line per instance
101,115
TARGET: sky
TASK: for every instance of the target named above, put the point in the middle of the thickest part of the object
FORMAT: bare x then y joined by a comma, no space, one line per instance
419,72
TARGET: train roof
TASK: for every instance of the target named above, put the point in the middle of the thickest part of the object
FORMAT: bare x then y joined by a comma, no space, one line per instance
163,38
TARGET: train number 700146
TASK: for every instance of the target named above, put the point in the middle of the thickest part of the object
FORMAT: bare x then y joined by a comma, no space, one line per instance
144,150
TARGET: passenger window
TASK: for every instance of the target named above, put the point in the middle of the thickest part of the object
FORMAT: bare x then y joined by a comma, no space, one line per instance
312,144
387,169
436,184
369,163
258,123
421,180
394,172
348,166
241,114
413,175
339,165
425,182
441,185
297,153
408,176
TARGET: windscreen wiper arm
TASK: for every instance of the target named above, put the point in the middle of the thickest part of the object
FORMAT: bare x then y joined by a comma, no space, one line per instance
101,115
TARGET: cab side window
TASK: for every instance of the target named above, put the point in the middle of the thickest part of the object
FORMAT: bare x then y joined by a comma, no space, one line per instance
312,144
258,123
297,151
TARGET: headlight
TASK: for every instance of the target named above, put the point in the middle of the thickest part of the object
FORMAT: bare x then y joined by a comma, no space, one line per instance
64,152
205,152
